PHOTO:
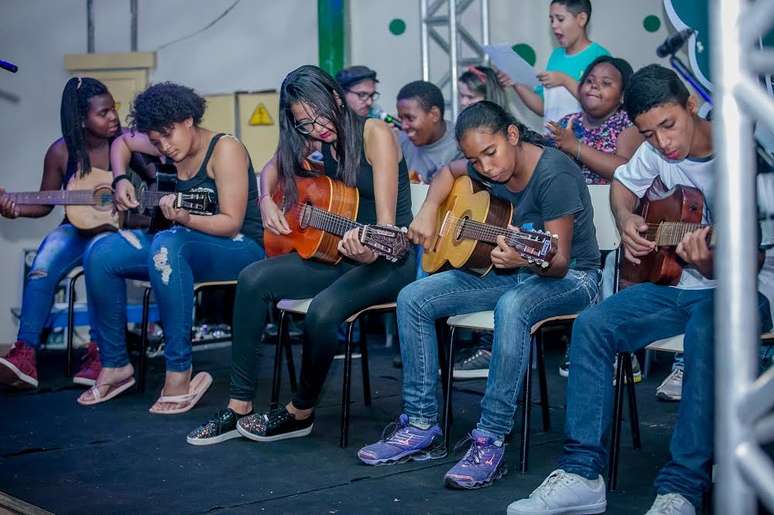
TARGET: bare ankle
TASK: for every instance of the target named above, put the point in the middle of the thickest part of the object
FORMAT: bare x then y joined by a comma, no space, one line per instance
240,407
300,414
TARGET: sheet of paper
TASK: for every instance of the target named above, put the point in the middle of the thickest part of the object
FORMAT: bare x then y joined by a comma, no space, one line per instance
508,61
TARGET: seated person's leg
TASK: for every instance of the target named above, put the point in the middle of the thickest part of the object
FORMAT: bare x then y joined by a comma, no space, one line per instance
108,263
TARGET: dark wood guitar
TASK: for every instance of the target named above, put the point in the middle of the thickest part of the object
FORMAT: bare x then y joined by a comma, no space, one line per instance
324,210
88,202
468,224
670,217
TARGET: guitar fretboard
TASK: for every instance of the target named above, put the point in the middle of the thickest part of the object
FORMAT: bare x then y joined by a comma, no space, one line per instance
60,197
327,221
669,234
473,230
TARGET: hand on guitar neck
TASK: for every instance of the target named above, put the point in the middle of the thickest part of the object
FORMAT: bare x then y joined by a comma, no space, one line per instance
505,256
694,250
351,247
8,208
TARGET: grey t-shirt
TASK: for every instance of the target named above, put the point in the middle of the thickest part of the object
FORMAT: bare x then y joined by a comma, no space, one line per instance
556,189
428,159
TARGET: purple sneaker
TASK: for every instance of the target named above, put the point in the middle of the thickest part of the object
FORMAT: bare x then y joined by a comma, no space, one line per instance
402,442
482,465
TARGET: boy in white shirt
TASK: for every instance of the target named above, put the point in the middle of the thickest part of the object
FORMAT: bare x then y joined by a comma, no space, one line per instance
678,151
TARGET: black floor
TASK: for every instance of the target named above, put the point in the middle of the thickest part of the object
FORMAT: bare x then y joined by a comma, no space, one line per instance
118,458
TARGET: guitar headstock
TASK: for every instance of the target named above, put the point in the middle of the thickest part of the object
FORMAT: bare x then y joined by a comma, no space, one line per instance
387,241
538,247
204,203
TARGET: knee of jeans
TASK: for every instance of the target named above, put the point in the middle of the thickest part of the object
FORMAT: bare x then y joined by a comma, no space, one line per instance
410,299
96,257
513,306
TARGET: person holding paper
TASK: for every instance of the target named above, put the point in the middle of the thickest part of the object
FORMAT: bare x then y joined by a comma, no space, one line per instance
557,94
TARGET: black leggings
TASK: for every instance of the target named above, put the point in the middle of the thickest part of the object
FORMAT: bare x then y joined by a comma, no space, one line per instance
339,291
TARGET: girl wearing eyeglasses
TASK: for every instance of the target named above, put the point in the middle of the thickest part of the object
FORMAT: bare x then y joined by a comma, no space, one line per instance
363,153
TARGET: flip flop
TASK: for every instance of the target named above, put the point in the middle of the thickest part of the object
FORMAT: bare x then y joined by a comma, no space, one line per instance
196,389
113,390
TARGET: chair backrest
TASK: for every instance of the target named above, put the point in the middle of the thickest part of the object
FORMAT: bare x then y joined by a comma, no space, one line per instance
607,232
418,194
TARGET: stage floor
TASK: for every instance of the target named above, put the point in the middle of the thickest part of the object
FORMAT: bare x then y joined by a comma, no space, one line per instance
118,458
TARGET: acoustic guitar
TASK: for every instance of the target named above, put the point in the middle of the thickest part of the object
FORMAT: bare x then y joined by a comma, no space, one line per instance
468,224
324,210
88,202
669,217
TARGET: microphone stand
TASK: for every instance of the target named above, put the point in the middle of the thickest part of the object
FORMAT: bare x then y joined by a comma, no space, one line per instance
688,75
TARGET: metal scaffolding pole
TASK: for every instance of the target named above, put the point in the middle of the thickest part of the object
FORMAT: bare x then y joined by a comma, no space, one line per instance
742,402
459,37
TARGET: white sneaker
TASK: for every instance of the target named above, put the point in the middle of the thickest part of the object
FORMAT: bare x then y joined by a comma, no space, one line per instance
671,389
671,504
563,493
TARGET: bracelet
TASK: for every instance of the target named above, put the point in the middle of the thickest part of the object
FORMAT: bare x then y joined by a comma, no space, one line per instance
263,196
118,179
577,154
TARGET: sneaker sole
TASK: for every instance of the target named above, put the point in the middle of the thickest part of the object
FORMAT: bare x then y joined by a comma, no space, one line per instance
479,373
432,454
667,398
284,436
589,509
451,483
83,381
20,376
230,435
563,372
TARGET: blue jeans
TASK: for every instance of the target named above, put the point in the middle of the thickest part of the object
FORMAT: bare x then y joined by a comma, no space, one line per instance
626,322
172,260
519,299
60,252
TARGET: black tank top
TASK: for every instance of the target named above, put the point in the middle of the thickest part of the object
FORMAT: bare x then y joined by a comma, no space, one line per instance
251,226
366,213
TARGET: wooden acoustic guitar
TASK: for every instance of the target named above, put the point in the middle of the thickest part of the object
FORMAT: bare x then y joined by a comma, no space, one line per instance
88,202
469,222
669,217
324,210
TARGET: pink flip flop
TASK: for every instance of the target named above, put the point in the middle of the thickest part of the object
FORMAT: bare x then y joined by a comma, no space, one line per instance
196,389
113,390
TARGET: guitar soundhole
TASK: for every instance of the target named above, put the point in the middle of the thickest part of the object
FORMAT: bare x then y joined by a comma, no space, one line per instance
103,198
459,226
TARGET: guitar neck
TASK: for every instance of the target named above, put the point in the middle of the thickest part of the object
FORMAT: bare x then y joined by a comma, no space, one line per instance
670,234
472,230
149,198
53,198
329,222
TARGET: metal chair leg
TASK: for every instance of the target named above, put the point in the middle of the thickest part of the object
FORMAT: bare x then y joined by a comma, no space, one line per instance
71,323
364,364
448,379
634,418
345,393
542,381
615,437
142,358
525,417
277,377
289,359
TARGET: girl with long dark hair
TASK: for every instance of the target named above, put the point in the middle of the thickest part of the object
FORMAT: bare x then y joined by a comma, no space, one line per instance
547,191
361,153
89,123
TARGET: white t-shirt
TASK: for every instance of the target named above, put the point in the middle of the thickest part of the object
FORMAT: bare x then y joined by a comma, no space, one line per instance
647,164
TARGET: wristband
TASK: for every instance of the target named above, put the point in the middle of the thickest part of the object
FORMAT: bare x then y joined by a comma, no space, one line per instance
118,179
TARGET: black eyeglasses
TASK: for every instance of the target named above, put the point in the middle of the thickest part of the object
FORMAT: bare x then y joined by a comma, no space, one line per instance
364,95
307,127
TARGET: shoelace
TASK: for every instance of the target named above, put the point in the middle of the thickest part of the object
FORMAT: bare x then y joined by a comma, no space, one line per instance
475,355
678,373
551,483
274,418
392,429
668,502
475,451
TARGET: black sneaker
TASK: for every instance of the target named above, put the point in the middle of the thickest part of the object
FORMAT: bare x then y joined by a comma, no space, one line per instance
221,427
277,424
473,365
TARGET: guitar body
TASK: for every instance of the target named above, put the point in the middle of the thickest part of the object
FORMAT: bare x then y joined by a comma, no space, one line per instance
151,218
93,219
310,243
681,204
467,200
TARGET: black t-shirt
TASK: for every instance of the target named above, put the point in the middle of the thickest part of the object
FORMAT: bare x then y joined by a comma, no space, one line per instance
556,189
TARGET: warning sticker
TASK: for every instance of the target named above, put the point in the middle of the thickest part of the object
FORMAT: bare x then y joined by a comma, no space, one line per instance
261,116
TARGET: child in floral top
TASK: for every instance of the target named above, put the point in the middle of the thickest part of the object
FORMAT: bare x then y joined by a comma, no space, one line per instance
601,137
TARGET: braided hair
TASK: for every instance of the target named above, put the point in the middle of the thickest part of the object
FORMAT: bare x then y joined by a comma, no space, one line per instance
75,107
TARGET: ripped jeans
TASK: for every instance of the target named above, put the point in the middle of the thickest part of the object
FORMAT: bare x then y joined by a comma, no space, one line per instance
60,252
172,260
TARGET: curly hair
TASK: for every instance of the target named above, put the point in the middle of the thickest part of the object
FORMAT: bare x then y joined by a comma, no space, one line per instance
163,104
